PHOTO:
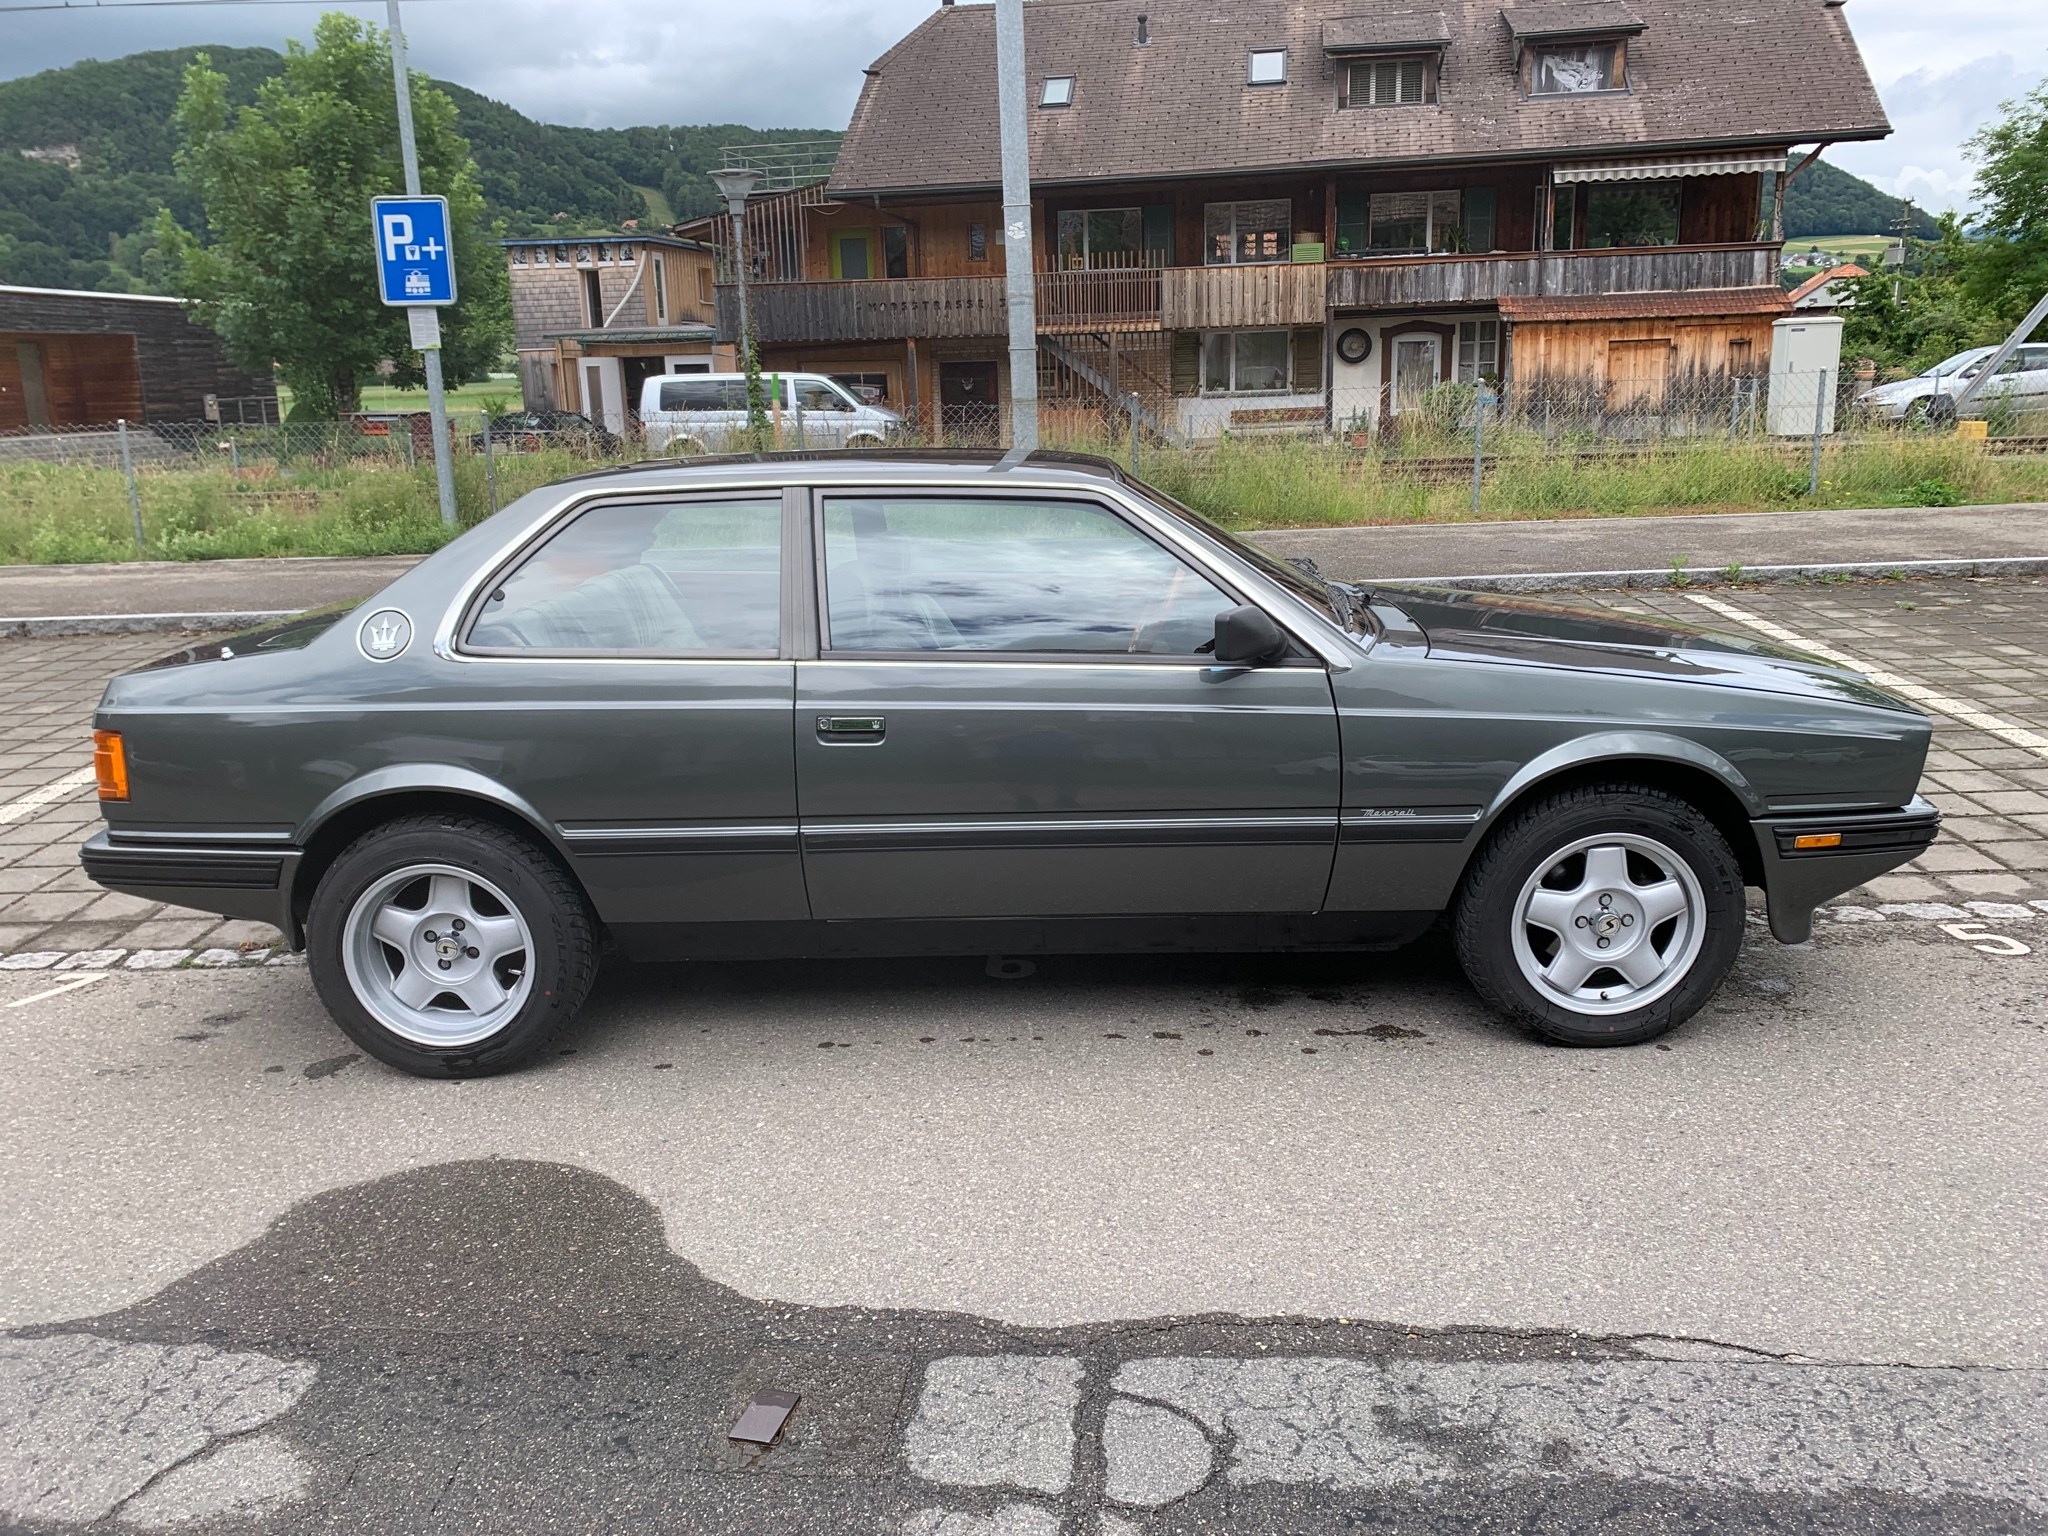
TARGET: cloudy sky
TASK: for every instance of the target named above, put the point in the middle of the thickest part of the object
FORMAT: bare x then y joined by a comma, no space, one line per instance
1943,65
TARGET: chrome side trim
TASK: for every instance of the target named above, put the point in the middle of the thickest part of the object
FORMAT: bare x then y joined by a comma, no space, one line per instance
1105,832
624,842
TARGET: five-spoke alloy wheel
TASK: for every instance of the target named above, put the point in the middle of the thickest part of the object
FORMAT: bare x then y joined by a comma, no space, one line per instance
1602,916
449,947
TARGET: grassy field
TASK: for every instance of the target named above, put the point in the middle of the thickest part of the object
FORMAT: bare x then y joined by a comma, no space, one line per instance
315,505
1864,250
498,393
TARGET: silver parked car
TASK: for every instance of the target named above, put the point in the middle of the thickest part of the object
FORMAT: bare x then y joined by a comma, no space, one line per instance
696,413
1929,398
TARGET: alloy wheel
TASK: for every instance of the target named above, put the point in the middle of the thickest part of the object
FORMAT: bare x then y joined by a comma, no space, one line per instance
438,955
1609,924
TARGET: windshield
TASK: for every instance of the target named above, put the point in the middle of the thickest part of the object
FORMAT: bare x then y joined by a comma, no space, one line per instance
1344,604
1960,361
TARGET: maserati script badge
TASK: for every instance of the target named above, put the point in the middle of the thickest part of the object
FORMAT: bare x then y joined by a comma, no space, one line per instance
385,634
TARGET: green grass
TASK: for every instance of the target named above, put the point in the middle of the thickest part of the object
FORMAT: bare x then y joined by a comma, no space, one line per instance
1864,250
657,205
500,392
324,504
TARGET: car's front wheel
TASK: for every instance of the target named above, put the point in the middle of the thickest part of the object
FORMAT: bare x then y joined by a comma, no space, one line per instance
449,947
1602,916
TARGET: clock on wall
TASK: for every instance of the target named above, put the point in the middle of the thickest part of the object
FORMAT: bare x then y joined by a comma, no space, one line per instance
1355,345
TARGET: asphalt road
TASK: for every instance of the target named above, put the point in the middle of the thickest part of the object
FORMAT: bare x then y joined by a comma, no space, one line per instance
1126,1245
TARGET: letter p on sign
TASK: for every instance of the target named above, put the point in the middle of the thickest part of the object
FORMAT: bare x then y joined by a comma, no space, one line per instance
397,228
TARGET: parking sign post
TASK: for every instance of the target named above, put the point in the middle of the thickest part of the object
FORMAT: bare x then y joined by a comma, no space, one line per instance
416,263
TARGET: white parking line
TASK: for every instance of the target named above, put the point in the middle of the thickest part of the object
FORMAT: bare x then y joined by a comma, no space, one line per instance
36,799
62,987
1962,710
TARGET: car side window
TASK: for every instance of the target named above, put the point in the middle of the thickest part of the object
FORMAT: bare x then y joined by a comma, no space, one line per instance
916,573
645,578
821,397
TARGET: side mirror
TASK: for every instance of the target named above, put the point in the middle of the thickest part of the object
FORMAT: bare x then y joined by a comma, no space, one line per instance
1248,637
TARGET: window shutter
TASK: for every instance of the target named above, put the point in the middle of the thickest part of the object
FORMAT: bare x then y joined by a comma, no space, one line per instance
1187,363
1159,234
1352,223
1479,218
1308,361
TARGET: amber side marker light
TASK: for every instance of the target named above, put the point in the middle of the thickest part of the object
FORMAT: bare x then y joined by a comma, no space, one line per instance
1816,841
110,764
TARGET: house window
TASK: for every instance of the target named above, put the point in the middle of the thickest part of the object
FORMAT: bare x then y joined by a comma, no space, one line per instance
977,242
660,291
1101,237
896,252
704,280
1478,350
518,256
1247,362
1391,83
1631,214
1269,66
1416,223
593,300
1249,232
1058,91
1575,69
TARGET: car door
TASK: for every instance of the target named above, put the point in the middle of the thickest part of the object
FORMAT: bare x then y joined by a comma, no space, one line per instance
2033,380
626,676
1011,715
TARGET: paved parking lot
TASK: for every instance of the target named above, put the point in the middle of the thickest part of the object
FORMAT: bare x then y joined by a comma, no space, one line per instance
1274,1246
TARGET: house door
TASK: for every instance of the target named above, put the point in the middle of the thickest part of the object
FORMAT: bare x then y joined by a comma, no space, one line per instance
35,394
1418,368
969,402
1638,373
604,393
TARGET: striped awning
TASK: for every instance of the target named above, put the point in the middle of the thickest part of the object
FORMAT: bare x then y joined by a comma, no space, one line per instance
1668,170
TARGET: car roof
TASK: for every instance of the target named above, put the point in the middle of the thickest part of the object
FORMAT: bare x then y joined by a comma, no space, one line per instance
856,466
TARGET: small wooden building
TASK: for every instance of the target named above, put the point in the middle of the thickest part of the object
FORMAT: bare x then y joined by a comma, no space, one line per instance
71,358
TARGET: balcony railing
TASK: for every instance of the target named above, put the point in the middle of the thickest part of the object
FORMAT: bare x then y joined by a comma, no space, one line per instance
1224,298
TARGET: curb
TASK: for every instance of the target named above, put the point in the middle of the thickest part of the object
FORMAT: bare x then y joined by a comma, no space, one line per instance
140,623
1748,575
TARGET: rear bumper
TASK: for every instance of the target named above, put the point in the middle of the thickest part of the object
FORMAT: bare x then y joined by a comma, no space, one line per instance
1872,843
236,877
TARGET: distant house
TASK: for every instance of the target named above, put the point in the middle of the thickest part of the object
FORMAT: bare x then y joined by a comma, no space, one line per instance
1312,213
1829,289
73,358
594,317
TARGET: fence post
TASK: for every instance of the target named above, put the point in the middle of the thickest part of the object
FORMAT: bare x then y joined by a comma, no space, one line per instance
234,456
1479,400
1133,402
1820,417
134,492
490,465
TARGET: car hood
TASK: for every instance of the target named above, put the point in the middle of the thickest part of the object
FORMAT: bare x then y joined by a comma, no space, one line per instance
1523,631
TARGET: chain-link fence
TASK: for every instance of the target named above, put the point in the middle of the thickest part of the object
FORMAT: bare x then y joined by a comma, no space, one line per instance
1392,452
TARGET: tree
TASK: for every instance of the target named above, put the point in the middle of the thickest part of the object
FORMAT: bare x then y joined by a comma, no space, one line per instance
2009,267
1917,317
285,273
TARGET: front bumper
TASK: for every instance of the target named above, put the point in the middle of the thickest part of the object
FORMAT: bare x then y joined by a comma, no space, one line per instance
1872,843
241,877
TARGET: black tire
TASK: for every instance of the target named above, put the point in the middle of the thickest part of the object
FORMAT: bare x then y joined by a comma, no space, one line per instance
560,963
1522,849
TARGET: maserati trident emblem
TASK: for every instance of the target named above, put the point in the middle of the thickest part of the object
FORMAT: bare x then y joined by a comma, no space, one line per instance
385,634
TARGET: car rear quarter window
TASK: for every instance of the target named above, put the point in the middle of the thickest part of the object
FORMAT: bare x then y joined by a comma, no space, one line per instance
1010,575
645,579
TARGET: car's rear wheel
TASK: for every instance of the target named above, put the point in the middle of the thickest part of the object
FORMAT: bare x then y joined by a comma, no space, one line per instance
1602,916
449,947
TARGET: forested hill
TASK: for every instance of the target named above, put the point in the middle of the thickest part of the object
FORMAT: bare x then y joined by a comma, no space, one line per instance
75,210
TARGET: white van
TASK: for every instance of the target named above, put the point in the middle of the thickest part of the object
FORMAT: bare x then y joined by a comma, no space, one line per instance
685,413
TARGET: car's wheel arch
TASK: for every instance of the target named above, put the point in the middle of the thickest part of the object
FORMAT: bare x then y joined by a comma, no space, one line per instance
419,790
1694,773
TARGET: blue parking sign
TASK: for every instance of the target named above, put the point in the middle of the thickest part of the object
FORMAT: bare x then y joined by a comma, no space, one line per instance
414,262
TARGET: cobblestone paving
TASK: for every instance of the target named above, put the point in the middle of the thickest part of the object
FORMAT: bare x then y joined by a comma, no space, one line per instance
1982,643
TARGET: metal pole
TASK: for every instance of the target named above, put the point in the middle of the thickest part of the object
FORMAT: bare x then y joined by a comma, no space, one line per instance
739,265
437,394
490,465
1478,447
134,494
1137,436
1019,280
1820,408
1997,360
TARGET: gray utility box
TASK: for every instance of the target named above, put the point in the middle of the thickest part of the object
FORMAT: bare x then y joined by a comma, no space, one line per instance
1806,374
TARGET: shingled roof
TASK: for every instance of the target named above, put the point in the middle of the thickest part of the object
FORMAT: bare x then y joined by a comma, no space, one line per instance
1703,73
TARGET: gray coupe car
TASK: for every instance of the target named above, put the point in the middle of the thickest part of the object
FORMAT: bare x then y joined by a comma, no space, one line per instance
812,705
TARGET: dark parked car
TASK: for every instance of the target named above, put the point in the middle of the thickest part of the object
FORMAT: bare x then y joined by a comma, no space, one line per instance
530,431
823,704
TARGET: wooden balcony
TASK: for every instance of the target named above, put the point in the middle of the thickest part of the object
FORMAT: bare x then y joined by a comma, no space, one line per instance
1224,298
1421,282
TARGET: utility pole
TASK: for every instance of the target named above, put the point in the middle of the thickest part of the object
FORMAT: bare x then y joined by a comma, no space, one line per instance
1020,282
425,321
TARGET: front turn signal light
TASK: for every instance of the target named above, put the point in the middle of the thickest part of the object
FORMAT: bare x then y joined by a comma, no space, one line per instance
110,764
1814,842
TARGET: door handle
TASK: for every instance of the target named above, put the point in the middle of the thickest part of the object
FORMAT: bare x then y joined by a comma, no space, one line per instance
852,727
